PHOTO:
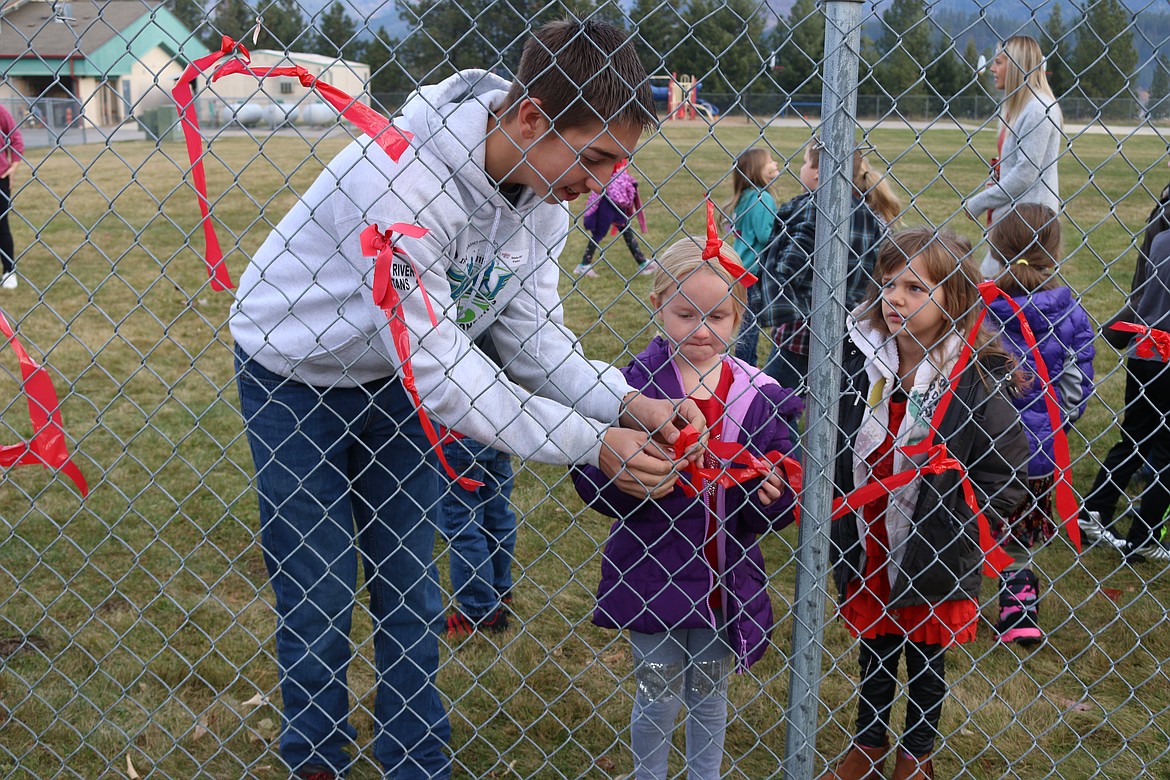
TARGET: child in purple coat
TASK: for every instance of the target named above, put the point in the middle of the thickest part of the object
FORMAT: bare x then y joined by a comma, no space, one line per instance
613,207
685,574
1026,240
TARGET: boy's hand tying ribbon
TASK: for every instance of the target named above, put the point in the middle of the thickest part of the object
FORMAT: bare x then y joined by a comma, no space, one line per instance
664,420
637,465
1150,340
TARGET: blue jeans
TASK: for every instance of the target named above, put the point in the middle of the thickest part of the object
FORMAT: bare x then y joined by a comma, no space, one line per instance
480,526
341,474
747,343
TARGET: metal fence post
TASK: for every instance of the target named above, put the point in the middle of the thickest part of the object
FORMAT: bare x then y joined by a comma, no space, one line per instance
833,198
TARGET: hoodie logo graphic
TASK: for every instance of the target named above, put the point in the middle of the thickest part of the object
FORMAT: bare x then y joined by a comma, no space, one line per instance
475,286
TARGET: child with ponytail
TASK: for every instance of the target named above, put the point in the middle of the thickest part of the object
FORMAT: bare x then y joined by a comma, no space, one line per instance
1026,243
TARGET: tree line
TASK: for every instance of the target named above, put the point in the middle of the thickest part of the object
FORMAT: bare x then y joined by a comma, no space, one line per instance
733,46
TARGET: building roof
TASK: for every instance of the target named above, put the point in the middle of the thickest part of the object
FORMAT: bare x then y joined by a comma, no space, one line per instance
55,30
302,58
95,38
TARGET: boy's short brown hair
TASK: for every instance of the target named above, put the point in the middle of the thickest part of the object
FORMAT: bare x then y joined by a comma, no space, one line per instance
584,72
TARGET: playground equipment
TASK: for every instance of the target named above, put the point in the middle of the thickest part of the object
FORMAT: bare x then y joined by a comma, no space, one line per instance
681,94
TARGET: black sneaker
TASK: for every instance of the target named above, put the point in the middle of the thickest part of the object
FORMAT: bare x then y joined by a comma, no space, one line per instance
459,625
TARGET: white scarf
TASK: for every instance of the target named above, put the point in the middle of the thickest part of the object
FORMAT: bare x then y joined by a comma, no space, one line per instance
931,382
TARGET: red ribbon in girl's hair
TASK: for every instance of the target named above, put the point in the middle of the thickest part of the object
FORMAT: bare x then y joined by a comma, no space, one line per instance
369,121
380,245
751,467
1150,340
47,447
1065,502
184,98
995,560
714,249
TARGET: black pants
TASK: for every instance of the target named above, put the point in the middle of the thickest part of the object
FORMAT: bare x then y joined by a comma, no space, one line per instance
7,248
1145,437
926,685
627,234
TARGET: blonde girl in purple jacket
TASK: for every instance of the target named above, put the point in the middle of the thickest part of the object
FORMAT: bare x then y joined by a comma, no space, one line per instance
684,574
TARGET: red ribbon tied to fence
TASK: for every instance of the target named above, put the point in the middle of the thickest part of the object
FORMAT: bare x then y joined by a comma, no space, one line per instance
938,460
1150,340
749,466
381,246
366,119
47,447
714,250
184,99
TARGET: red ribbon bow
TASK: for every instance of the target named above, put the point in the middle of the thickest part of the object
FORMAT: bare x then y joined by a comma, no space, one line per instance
47,447
1150,340
749,466
366,119
381,246
995,560
714,249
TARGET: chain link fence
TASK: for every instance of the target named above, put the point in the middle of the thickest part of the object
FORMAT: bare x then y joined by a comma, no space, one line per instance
138,625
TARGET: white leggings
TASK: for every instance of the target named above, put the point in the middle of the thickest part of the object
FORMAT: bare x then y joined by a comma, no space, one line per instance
686,665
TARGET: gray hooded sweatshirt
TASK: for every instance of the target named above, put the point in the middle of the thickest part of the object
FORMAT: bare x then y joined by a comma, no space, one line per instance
304,308
1028,170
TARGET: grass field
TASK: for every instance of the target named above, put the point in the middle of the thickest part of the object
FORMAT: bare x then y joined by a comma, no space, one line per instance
136,625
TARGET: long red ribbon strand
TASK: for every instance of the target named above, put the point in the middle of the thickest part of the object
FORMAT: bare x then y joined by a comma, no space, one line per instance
184,100
1066,505
366,119
381,246
47,447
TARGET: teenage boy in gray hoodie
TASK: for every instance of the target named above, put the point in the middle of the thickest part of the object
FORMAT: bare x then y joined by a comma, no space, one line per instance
342,465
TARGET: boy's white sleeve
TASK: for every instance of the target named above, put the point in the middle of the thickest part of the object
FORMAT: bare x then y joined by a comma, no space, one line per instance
459,386
542,354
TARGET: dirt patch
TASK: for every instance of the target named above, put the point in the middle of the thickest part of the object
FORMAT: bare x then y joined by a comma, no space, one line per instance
14,645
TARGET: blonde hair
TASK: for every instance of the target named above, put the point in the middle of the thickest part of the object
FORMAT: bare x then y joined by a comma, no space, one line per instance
748,174
1024,80
685,256
1027,241
946,260
869,185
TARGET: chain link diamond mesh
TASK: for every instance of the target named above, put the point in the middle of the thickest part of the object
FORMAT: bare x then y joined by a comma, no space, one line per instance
138,627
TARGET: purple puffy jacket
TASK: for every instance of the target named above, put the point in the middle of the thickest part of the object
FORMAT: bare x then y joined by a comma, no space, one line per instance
654,576
1065,335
